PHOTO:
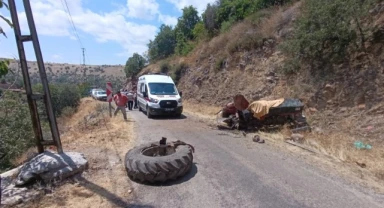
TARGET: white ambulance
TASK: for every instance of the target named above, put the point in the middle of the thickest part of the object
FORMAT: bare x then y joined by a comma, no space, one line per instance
157,95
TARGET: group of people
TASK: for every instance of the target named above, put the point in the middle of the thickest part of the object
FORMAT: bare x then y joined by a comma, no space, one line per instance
125,99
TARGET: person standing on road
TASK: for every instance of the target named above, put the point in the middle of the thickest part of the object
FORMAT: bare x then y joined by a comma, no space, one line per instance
135,99
130,100
120,101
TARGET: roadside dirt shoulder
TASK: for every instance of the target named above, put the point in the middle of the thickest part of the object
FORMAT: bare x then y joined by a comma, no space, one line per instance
104,142
323,157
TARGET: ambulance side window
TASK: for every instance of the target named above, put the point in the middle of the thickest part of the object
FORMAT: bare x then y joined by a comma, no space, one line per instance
142,87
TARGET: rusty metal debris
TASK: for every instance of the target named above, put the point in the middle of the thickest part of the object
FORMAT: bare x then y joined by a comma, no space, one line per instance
164,146
241,114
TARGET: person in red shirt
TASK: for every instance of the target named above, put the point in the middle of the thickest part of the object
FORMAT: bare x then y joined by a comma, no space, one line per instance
120,101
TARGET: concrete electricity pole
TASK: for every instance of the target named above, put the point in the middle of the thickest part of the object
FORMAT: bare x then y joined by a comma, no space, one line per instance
83,56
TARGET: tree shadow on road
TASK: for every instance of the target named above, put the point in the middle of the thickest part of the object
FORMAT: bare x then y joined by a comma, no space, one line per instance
116,200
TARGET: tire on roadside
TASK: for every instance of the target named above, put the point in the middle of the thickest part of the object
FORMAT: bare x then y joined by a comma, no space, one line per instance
147,169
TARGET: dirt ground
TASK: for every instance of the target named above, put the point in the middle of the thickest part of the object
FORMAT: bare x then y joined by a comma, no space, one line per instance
104,142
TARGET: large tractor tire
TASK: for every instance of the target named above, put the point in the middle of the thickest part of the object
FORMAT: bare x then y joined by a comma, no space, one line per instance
143,164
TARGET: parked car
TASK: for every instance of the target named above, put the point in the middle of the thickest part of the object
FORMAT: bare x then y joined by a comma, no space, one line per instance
101,95
93,92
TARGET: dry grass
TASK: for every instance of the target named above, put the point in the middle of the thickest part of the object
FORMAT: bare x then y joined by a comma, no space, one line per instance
104,143
201,111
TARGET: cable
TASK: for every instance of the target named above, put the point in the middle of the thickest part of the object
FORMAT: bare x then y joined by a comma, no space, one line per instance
87,58
66,9
72,23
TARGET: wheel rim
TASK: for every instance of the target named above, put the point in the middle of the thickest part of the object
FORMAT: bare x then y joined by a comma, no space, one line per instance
154,151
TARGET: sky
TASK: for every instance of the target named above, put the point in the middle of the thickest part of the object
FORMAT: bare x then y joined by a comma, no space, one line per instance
110,31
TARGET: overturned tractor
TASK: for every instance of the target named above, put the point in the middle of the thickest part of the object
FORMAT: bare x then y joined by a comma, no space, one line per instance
242,115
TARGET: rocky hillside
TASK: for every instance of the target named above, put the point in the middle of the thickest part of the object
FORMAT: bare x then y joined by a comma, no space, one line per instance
67,73
56,69
344,99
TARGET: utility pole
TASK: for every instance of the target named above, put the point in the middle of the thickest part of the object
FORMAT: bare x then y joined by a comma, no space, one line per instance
83,56
33,98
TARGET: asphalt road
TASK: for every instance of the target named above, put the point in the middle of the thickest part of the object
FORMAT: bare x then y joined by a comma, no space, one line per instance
235,172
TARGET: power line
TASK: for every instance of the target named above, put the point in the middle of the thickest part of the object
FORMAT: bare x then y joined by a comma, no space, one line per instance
66,9
71,21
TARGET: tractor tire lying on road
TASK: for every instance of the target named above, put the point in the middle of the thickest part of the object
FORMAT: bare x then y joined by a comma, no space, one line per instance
143,164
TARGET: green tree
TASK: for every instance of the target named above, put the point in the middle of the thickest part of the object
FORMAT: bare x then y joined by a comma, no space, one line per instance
134,65
230,11
184,30
63,96
186,23
183,46
3,4
327,30
4,67
199,32
4,64
163,45
210,19
16,133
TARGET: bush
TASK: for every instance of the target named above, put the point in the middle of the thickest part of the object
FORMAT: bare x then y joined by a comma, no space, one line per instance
63,95
225,26
164,67
16,132
328,30
199,32
68,111
178,72
246,42
219,64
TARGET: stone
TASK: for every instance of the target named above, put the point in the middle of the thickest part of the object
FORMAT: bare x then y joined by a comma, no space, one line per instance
270,74
313,110
13,195
270,79
343,109
318,130
297,137
361,106
50,166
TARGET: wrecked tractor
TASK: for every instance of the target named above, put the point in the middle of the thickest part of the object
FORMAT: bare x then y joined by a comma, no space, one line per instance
159,161
242,115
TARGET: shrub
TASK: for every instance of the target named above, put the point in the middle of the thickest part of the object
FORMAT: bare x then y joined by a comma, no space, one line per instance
245,42
178,72
199,32
16,133
328,30
164,67
219,64
225,26
68,111
183,46
63,95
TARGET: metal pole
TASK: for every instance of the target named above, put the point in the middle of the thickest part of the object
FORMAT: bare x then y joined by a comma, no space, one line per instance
83,56
43,76
27,84
110,109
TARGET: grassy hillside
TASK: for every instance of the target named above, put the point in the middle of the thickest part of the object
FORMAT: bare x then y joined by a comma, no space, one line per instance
73,73
303,50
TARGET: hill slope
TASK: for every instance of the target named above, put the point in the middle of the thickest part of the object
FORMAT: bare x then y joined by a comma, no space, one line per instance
343,105
63,72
